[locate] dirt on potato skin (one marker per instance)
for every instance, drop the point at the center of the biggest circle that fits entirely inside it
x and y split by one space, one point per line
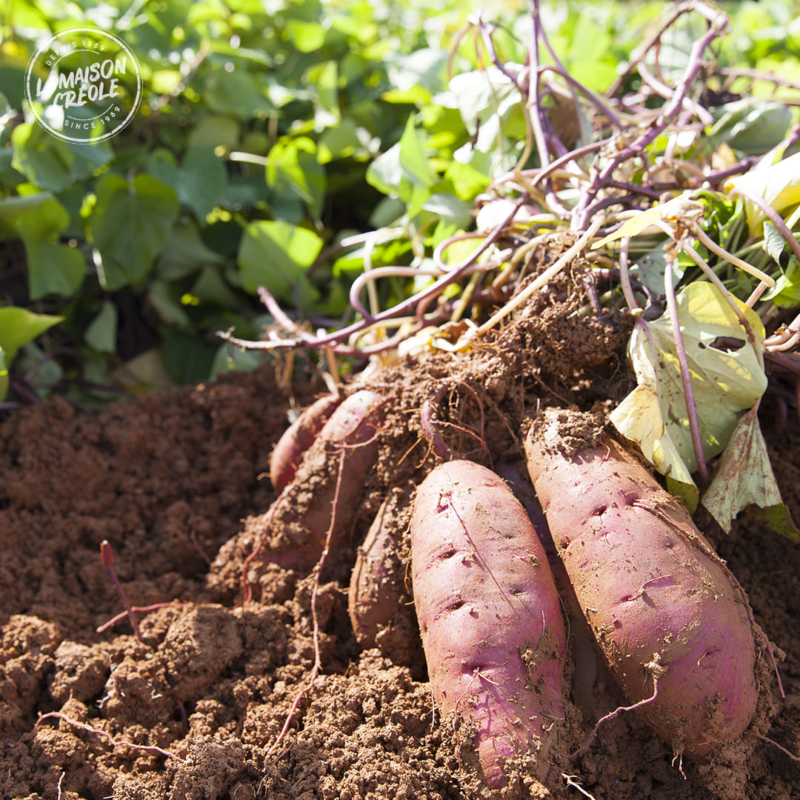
172 480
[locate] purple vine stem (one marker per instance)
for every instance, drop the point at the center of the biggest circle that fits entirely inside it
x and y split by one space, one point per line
337 337
686 378
718 21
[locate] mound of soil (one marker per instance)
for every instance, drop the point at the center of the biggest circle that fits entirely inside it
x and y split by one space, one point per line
196 708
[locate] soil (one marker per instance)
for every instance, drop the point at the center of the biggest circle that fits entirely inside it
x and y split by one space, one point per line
195 708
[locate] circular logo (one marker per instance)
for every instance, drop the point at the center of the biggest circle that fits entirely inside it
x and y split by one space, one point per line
83 85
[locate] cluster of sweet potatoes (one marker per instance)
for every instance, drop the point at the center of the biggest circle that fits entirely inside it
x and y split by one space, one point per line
669 620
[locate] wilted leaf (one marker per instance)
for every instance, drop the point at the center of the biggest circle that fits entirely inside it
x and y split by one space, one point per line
726 373
684 205
744 478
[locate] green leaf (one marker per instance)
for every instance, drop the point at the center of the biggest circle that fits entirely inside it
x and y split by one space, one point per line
237 93
53 164
163 166
3 376
385 173
293 170
163 298
215 131
277 255
234 359
44 160
786 291
184 253
726 373
651 269
101 335
744 478
325 77
186 359
202 181
129 224
18 326
413 157
210 287
778 184
53 268
773 241
490 105
307 37
339 141
752 125
777 518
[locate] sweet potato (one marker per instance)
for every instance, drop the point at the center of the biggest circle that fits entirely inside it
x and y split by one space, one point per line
659 600
489 615
584 655
299 520
297 438
375 589
380 605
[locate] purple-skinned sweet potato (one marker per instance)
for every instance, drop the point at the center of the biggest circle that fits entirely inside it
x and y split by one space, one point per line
584 650
661 603
489 615
297 438
300 518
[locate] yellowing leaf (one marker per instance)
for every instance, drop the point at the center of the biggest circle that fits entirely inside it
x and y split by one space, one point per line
778 184
726 376
745 478
681 206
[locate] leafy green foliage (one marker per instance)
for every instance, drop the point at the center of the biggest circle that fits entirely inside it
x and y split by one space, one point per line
267 133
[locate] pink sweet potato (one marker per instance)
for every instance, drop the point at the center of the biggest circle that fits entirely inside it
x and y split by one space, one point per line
662 605
489 615
297 438
301 516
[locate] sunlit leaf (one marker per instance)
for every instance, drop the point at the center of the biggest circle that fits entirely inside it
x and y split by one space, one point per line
684 205
18 326
726 373
778 184
414 158
786 291
277 255
773 241
293 170
752 125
